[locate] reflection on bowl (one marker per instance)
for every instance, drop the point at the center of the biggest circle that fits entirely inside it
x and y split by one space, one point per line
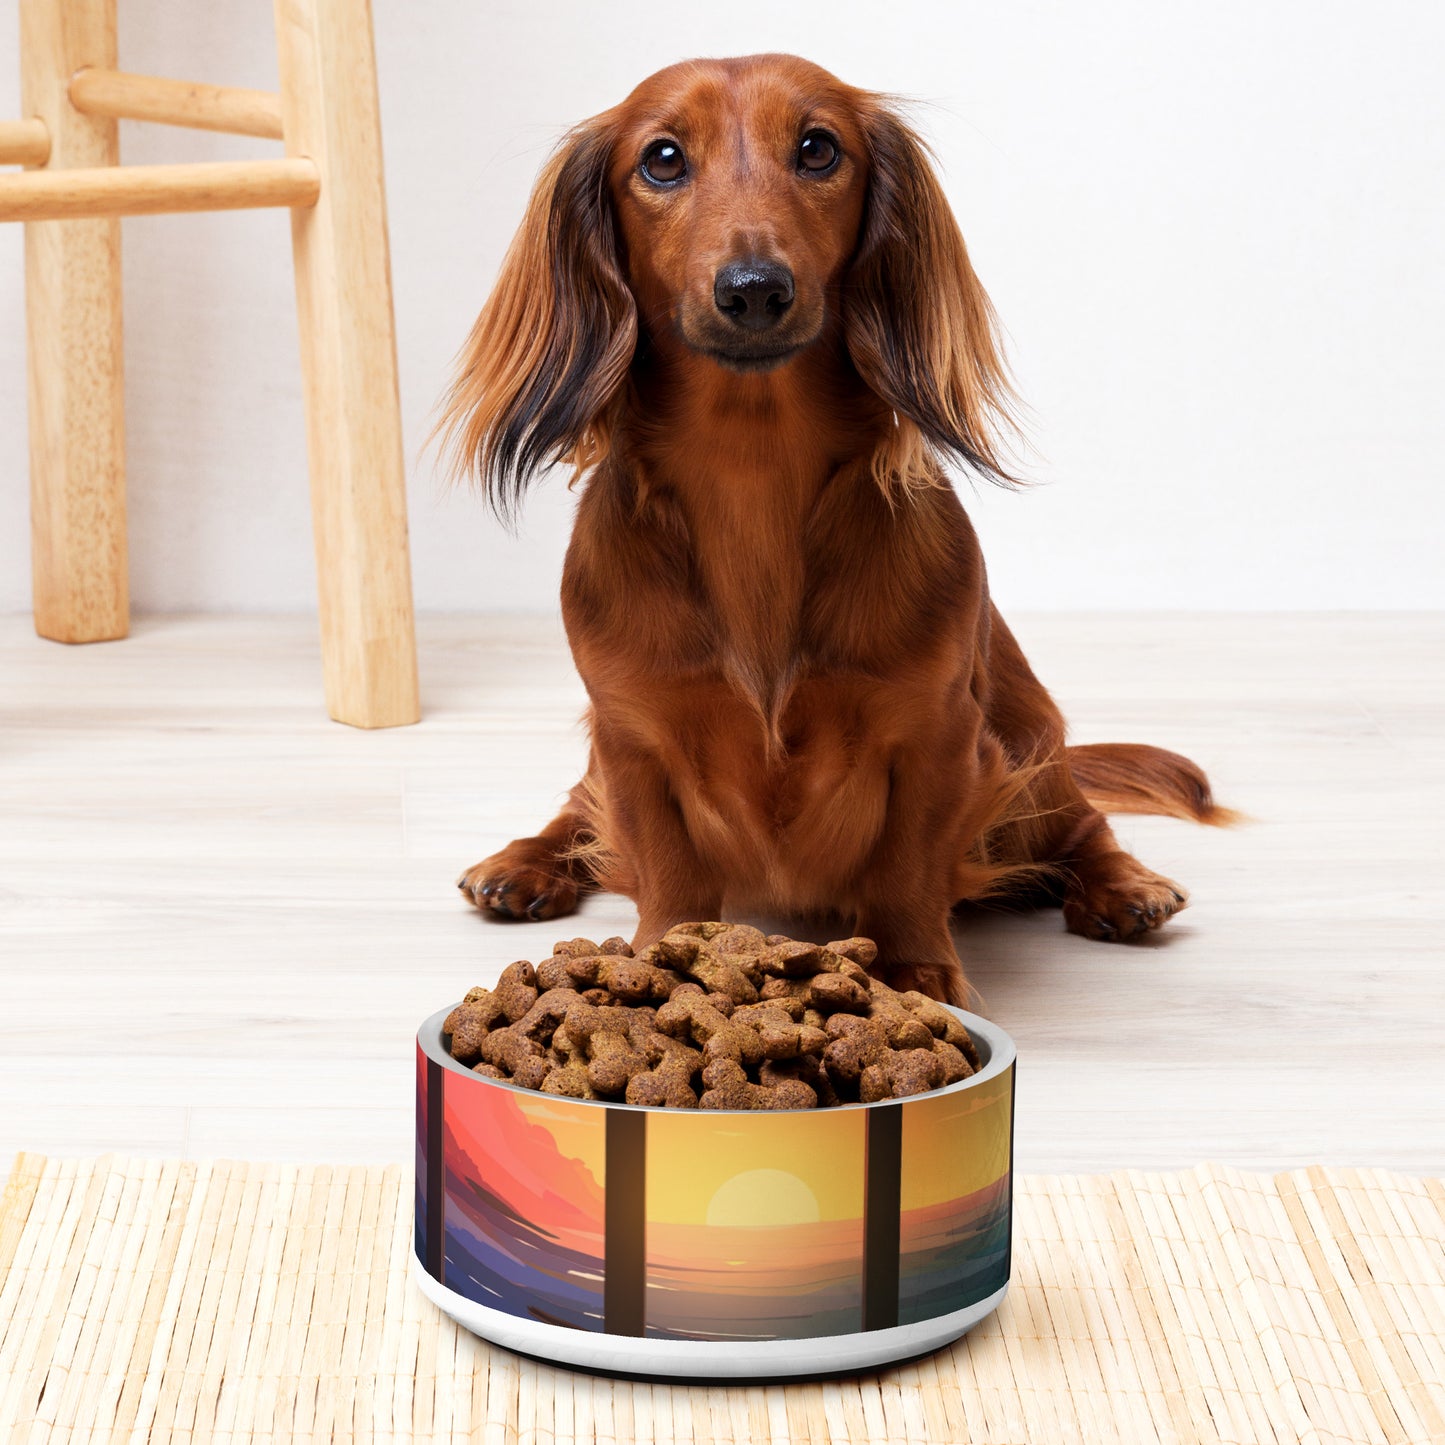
712 1243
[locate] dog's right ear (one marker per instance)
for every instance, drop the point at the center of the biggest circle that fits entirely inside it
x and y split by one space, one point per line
544 362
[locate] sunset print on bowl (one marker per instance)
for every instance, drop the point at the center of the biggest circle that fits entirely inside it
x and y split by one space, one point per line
730 1227
525 1205
754 1224
954 1202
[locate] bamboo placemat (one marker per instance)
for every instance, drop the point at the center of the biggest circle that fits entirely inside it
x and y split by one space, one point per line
152 1300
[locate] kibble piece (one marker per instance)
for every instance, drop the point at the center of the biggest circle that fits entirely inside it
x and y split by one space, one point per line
862 951
575 947
955 1065
685 954
516 989
668 1083
739 938
540 1021
603 1034
570 1081
508 1048
728 1087
831 993
469 1023
797 960
552 973
619 947
629 980
807 1069
689 1017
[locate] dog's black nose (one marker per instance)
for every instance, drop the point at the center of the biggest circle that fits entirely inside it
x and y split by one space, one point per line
755 294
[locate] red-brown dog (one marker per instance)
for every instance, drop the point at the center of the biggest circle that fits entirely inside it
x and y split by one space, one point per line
740 305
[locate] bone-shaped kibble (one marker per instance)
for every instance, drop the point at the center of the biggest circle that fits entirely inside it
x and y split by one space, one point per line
955 1063
941 1023
668 1083
470 1022
552 973
899 1075
855 1044
686 1016
862 951
541 1020
516 989
903 1029
781 1036
805 1069
739 938
569 1081
727 1086
797 960
832 993
691 956
604 1035
575 948
629 980
521 1058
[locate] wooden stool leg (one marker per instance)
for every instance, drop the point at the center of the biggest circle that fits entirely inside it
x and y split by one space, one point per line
72 296
348 359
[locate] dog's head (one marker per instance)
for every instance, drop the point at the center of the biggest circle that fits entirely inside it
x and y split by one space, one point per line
730 214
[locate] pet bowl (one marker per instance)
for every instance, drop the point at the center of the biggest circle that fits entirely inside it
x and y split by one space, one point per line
708 1243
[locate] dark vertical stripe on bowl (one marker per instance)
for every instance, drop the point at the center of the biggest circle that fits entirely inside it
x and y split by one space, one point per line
624 1269
1013 1088
882 1189
436 1172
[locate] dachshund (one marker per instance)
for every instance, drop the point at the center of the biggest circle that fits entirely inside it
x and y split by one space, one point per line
740 309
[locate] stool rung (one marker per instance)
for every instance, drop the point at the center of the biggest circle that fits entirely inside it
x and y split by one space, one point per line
24 143
123 96
60 195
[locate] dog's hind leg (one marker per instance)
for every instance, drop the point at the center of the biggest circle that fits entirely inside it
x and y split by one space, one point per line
539 877
1105 891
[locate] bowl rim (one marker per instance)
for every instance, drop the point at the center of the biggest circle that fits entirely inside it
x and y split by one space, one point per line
986 1035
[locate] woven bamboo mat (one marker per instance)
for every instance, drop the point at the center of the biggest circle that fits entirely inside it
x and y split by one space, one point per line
166 1300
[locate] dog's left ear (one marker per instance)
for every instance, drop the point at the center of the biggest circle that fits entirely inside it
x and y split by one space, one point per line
919 325
544 362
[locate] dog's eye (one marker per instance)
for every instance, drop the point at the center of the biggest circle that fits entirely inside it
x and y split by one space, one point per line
818 152
664 162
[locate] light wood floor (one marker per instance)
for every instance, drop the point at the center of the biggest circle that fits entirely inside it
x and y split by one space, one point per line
222 916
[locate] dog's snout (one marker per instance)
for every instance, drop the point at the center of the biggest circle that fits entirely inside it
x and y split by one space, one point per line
754 294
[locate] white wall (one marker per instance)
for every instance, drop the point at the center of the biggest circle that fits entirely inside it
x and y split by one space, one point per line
1213 230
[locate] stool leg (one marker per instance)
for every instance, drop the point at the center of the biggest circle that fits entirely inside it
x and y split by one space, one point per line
72 305
348 359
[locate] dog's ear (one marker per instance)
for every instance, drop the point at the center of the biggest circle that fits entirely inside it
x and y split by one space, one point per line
919 325
548 354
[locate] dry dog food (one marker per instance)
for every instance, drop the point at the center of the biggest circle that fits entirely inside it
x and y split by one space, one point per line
713 1016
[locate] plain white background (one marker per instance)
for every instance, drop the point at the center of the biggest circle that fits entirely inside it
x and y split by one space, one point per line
1213 231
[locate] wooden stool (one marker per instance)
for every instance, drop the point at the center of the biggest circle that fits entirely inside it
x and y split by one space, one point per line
331 179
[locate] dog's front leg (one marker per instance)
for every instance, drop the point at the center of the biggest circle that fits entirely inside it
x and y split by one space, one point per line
673 885
904 901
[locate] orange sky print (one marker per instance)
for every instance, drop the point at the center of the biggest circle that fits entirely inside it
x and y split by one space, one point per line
525 1204
754 1225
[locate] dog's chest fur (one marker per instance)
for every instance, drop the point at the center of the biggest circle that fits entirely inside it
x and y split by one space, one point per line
775 658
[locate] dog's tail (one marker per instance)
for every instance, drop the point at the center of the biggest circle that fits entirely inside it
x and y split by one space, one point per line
1135 778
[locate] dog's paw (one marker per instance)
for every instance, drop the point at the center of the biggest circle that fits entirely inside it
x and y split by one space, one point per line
508 886
1115 899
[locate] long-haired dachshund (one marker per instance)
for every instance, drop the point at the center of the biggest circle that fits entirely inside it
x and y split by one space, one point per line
740 307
